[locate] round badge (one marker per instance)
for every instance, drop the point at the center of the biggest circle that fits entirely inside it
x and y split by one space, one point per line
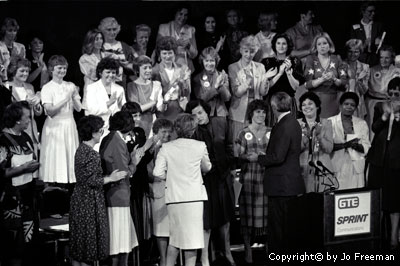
204 77
377 75
248 136
206 84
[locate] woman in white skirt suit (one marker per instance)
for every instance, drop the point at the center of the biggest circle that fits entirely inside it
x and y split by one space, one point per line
181 163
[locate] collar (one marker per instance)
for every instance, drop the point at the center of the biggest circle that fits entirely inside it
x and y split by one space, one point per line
282 115
366 24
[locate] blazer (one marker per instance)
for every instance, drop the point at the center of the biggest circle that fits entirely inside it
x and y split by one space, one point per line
382 150
239 103
181 162
215 97
282 159
115 156
358 32
361 131
96 99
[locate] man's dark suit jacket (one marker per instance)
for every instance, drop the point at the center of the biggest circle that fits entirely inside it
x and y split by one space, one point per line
282 173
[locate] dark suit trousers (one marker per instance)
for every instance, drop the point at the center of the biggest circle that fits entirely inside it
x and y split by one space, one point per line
277 223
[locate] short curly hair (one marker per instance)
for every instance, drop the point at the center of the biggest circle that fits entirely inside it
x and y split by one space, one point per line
131 107
16 63
109 21
256 105
121 121
107 63
312 97
13 113
88 125
349 95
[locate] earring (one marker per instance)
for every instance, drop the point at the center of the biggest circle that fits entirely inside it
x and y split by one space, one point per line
18 122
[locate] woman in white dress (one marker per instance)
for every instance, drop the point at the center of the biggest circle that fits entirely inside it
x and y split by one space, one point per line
104 97
60 136
91 56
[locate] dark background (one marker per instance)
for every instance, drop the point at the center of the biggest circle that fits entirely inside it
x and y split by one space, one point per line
64 23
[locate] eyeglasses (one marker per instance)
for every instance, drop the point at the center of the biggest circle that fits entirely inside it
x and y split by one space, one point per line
394 93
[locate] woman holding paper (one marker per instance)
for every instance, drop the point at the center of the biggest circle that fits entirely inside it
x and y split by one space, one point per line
350 143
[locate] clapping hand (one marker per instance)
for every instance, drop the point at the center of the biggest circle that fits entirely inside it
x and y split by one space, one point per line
271 72
31 166
117 175
220 43
220 79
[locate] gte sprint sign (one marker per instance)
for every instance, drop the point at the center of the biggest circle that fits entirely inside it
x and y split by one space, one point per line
352 213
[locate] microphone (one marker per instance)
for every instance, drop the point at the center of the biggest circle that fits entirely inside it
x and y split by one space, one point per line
312 164
324 167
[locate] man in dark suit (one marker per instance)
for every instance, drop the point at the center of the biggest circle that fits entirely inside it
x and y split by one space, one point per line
282 179
368 31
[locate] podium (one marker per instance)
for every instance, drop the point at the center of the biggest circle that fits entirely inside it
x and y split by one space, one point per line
335 221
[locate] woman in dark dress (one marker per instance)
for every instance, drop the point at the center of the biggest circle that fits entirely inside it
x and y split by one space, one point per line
219 208
89 231
384 156
285 72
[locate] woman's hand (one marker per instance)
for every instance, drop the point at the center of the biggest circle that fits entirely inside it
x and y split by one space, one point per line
271 72
31 166
220 79
252 157
117 175
220 43
282 68
137 155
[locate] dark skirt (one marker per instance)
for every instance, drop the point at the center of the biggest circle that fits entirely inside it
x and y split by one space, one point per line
219 209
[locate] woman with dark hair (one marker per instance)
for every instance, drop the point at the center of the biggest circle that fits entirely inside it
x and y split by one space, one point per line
253 202
384 154
146 92
174 78
18 72
325 74
210 35
285 73
212 86
17 165
219 209
104 97
184 190
316 144
115 156
39 74
88 222
60 136
184 35
350 143
91 56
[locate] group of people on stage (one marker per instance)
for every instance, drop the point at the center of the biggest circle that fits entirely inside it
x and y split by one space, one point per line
163 136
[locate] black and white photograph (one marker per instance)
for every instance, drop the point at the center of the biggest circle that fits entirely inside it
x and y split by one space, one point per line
199 133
